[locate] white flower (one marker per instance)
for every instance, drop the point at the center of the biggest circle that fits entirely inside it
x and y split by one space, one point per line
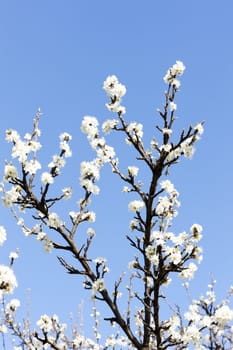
167 131
191 335
199 128
34 146
188 272
90 216
105 153
13 305
89 170
188 150
12 135
223 315
196 230
65 147
133 224
180 239
7 280
45 323
135 130
178 68
132 264
2 235
32 166
67 192
14 255
163 206
158 238
11 196
126 189
167 186
47 178
41 236
175 83
174 255
136 205
172 106
152 255
10 172
54 220
132 171
48 245
165 148
20 150
98 286
108 125
90 232
113 88
58 162
65 136
90 127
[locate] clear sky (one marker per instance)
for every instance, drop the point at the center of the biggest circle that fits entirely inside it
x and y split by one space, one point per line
56 54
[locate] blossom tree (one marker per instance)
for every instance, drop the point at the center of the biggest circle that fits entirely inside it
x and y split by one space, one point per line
159 252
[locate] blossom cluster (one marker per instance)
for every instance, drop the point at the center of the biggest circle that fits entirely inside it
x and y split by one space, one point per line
115 91
160 253
176 70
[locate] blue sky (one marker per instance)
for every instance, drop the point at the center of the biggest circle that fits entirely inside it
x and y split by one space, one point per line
56 54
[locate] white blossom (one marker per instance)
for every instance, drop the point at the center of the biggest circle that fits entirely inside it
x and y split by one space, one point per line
67 192
223 315
41 236
13 305
196 231
90 127
10 172
165 148
135 130
187 149
136 205
108 125
8 280
151 253
48 244
12 135
45 323
65 147
167 131
167 186
133 171
174 255
47 178
90 232
113 88
106 153
14 255
177 69
173 106
65 136
188 272
90 170
54 220
32 166
97 286
11 196
199 128
58 162
20 150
